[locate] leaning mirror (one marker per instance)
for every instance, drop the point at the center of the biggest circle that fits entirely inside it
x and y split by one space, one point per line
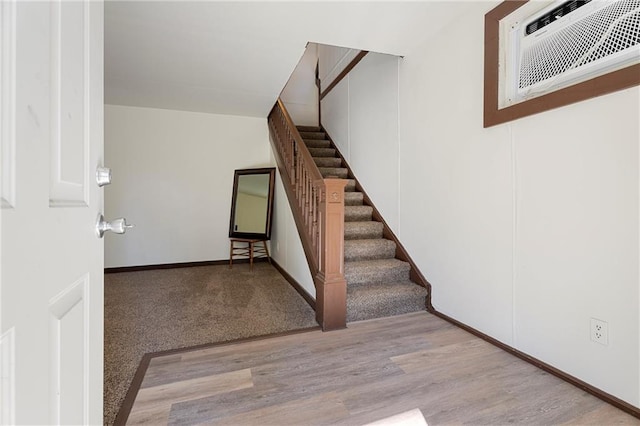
252 203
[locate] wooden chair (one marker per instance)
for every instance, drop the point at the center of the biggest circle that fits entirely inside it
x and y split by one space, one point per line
247 248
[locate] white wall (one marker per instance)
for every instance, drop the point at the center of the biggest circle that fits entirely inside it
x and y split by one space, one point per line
172 178
333 60
300 94
528 229
363 123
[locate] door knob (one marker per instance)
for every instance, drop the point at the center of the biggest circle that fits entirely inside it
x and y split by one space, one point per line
117 226
103 176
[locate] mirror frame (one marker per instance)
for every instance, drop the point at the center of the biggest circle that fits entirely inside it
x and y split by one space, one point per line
271 171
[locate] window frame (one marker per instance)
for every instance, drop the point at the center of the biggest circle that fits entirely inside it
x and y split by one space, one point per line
607 83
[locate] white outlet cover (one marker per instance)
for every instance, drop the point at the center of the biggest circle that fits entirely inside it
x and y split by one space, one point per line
599 331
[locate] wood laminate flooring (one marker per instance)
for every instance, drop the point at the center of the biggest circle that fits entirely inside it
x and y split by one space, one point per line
164 309
370 371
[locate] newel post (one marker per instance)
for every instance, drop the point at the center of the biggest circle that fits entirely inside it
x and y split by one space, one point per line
331 286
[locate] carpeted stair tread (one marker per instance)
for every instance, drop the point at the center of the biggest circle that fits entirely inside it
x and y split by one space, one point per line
362 230
357 213
339 172
365 272
313 135
377 248
322 152
384 300
317 143
351 185
327 161
353 198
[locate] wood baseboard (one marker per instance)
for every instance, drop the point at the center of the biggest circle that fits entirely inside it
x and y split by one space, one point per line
118 269
599 393
295 284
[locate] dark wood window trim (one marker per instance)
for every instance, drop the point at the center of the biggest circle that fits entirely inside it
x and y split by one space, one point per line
344 72
608 83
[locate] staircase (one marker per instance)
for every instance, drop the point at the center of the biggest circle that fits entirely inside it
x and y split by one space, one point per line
378 284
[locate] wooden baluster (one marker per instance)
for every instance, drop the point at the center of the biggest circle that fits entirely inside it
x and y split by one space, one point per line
303 193
309 213
310 208
289 153
292 162
303 182
303 199
305 177
307 204
299 177
314 217
284 142
288 149
303 188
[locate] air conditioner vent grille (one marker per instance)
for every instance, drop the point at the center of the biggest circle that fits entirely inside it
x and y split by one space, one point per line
627 34
610 30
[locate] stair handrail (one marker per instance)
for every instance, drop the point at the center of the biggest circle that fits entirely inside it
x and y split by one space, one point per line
318 210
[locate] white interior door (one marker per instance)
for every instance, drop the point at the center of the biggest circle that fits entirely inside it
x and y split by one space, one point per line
51 288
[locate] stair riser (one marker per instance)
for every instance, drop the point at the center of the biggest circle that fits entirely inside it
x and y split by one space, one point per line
308 129
333 172
317 143
322 152
357 213
360 230
363 309
327 162
360 276
384 249
313 135
353 198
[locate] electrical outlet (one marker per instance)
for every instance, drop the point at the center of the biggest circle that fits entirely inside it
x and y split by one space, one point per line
599 331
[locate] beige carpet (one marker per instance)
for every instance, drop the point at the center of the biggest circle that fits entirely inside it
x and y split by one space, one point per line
151 311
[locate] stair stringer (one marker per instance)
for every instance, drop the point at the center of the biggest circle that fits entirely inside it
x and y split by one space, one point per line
401 253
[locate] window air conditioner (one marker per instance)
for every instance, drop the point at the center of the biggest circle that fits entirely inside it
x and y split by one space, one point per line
569 42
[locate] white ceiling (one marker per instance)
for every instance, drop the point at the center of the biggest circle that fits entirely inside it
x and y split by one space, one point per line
235 57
